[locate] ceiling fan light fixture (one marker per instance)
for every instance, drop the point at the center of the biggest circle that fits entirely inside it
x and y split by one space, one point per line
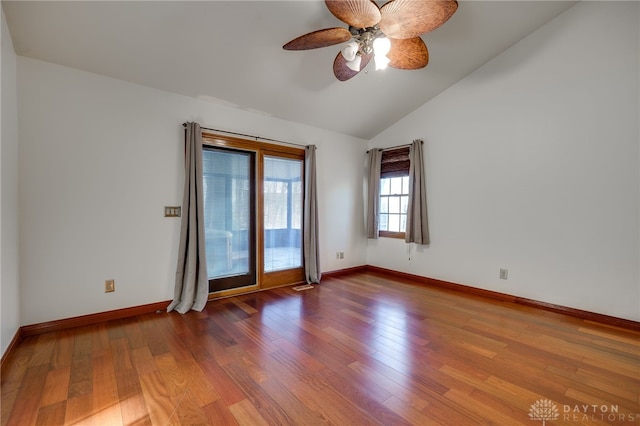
354 64
366 40
350 51
381 46
381 62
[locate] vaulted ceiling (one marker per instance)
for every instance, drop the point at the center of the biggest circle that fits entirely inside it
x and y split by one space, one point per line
230 52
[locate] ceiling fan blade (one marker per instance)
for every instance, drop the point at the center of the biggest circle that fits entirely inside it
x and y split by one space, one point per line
356 13
343 72
410 18
320 38
408 54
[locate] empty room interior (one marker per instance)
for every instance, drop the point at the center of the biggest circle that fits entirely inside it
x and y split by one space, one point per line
308 212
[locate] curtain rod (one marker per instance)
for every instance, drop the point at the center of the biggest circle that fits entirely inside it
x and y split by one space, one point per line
397 147
248 136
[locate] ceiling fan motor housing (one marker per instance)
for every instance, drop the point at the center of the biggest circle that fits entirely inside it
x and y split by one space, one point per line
365 37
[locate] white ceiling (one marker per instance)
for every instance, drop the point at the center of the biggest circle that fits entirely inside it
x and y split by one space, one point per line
231 52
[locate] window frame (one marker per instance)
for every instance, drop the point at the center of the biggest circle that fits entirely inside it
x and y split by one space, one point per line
394 164
393 234
226 283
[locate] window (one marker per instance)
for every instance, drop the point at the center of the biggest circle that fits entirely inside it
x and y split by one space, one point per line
394 197
394 192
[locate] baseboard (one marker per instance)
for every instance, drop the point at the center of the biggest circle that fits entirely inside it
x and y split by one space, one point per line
577 313
12 345
345 271
63 324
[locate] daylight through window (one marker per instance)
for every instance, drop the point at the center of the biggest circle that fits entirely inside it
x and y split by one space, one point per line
394 192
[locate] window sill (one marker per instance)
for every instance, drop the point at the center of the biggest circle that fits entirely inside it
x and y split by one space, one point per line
389 234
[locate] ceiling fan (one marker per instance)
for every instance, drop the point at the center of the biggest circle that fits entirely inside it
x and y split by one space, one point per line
390 33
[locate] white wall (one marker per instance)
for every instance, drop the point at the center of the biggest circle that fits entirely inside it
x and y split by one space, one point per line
9 288
532 165
99 158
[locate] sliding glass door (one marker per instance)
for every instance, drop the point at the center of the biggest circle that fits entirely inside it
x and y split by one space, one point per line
253 214
229 213
282 213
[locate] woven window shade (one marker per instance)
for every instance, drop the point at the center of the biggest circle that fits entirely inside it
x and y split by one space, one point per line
395 162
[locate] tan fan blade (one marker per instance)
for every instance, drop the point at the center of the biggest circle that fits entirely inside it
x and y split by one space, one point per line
343 72
410 18
408 54
320 38
356 13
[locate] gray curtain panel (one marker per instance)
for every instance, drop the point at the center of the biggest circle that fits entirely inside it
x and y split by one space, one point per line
417 226
192 285
310 213
373 193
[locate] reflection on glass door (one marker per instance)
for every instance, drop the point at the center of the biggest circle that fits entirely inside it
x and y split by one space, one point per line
229 215
282 213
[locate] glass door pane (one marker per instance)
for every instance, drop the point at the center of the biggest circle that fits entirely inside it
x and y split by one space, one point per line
282 213
229 214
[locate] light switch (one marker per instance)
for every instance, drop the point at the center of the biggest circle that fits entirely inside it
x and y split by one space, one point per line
172 211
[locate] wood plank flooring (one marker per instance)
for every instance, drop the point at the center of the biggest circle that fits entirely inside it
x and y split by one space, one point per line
361 349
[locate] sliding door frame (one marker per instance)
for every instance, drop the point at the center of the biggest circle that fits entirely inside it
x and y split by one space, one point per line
261 149
237 280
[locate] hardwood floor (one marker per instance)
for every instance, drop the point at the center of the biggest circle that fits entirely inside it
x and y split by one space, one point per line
358 349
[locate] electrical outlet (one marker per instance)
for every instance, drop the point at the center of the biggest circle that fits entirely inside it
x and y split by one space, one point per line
109 286
341 255
504 274
337 255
